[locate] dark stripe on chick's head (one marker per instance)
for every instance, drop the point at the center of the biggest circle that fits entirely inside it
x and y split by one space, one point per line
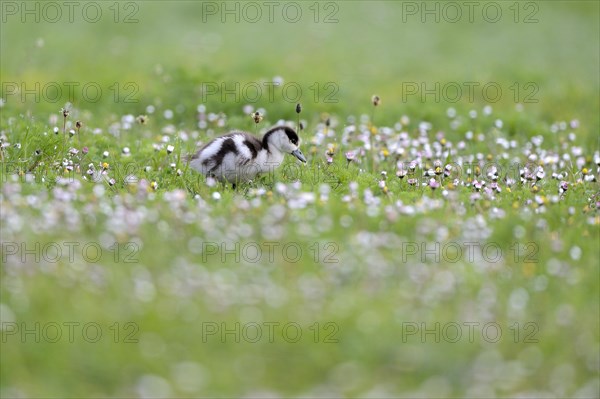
290 133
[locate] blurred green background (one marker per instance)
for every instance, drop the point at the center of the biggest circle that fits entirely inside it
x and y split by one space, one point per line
169 49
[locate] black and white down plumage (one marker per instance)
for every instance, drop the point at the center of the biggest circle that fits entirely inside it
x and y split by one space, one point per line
239 156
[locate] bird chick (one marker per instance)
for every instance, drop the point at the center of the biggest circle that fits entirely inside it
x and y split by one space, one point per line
239 156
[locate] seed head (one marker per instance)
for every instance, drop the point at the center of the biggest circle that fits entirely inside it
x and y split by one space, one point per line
65 112
78 125
257 117
298 108
375 100
330 149
141 119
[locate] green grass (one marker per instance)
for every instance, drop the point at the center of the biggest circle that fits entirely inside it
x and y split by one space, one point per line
161 256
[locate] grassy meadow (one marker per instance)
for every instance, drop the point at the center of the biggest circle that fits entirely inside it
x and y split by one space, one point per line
441 241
